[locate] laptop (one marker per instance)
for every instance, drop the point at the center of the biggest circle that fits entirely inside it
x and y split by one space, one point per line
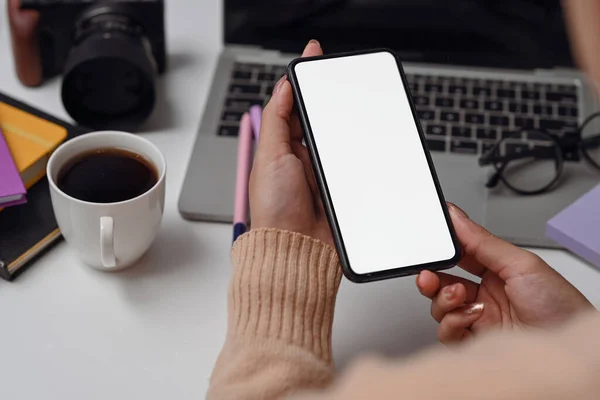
477 71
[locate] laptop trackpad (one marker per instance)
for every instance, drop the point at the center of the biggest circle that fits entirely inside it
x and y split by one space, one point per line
463 183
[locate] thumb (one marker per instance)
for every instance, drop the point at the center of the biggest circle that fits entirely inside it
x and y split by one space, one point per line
483 251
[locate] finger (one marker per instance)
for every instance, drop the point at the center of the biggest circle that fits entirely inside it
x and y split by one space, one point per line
275 133
449 298
302 153
455 326
312 49
482 250
430 283
297 133
275 137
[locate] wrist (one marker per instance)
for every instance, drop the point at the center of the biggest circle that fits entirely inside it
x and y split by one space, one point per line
284 288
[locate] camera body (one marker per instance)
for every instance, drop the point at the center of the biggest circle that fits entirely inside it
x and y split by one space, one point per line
108 51
60 21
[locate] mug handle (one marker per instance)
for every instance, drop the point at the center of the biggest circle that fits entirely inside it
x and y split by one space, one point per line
107 250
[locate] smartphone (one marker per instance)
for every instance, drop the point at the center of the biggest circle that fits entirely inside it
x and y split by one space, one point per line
377 181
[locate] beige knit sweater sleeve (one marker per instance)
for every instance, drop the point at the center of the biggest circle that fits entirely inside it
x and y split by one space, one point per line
281 301
278 344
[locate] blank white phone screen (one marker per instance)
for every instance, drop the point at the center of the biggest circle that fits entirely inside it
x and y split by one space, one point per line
383 193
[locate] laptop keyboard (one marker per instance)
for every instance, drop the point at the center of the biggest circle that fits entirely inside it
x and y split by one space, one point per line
458 115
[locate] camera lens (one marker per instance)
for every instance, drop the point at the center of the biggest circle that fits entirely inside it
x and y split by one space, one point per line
109 75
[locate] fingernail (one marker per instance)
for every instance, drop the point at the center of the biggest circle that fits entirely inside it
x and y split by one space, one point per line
449 292
314 41
474 308
278 84
457 211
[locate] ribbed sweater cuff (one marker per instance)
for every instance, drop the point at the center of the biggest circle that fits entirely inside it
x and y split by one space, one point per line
284 287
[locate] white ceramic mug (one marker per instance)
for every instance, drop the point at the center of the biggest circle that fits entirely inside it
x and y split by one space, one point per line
108 236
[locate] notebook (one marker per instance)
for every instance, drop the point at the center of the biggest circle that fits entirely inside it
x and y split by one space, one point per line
28 230
577 227
30 139
12 191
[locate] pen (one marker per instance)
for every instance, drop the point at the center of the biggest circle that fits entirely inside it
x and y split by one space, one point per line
255 117
240 211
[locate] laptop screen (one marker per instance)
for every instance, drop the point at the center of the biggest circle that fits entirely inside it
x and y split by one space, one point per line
490 33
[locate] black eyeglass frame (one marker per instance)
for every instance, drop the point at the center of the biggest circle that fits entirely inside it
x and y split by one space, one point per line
562 145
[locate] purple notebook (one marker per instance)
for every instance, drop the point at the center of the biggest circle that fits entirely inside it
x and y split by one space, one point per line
577 227
12 191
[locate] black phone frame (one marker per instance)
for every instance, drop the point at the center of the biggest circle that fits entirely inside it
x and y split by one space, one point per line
324 189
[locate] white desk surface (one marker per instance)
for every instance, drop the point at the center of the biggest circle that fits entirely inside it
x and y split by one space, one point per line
154 331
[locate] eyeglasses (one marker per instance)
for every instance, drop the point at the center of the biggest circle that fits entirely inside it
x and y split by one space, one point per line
531 161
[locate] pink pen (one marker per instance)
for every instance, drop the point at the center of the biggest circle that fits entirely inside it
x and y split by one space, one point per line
255 116
244 160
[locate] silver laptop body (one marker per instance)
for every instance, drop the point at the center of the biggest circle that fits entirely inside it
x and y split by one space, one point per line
208 189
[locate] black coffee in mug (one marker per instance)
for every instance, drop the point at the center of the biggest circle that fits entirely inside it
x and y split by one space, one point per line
107 175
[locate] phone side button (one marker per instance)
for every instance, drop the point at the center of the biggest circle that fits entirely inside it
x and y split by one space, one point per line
436 145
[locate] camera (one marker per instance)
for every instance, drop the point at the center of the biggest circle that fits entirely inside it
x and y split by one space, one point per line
108 51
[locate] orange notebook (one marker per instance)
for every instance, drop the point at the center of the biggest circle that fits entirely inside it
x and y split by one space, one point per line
31 140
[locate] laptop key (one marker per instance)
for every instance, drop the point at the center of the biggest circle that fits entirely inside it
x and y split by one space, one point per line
537 136
426 115
542 109
510 133
413 86
567 111
487 146
250 66
232 116
454 89
436 145
561 97
244 89
474 118
421 100
242 75
482 91
521 108
487 133
494 105
463 146
461 131
567 88
450 116
242 104
228 130
439 130
516 148
266 76
444 102
530 95
469 104
279 71
499 120
269 89
525 122
506 93
433 88
557 125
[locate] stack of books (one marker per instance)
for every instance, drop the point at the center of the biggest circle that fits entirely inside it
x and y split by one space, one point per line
27 224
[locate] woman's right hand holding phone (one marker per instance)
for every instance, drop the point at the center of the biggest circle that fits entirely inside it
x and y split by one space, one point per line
518 290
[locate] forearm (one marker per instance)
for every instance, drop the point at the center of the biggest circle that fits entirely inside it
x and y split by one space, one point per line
583 25
281 302
557 365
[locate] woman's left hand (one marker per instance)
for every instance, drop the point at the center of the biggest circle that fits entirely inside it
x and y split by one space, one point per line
283 189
